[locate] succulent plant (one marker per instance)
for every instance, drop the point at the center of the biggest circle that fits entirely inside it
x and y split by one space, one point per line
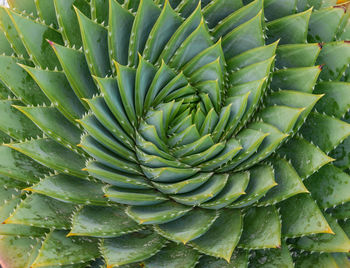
168 133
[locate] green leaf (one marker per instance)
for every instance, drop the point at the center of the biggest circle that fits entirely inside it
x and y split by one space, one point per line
294 99
157 214
279 257
203 58
162 77
67 19
173 256
261 180
99 10
157 161
336 242
144 76
115 177
110 91
237 18
53 155
100 221
17 249
14 123
330 131
319 260
104 137
106 118
268 145
171 91
301 216
18 81
12 183
46 11
298 79
248 96
197 146
262 233
231 149
297 55
252 56
324 24
341 259
218 10
239 259
53 124
131 248
146 16
282 117
198 158
120 25
183 31
7 194
275 9
222 237
290 29
250 140
126 85
5 46
34 33
165 26
42 211
195 43
18 166
253 72
183 186
246 36
57 249
94 37
56 87
107 157
234 188
305 157
12 35
329 186
28 6
288 183
189 227
336 57
64 188
76 70
340 212
336 100
16 229
203 193
185 8
134 196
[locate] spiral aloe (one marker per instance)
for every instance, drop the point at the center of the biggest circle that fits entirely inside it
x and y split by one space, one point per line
168 133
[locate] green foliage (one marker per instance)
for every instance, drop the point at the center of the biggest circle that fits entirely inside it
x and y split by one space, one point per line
168 133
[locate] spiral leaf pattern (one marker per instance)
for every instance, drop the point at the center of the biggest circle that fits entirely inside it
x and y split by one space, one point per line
168 133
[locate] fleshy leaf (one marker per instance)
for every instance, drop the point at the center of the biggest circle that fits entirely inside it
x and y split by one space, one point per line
102 222
264 233
57 249
189 227
131 248
222 237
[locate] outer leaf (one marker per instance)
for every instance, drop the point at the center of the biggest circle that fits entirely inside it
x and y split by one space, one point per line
102 222
173 256
222 237
265 233
57 249
189 227
131 248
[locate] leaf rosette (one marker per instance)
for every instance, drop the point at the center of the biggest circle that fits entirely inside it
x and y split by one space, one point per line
174 133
